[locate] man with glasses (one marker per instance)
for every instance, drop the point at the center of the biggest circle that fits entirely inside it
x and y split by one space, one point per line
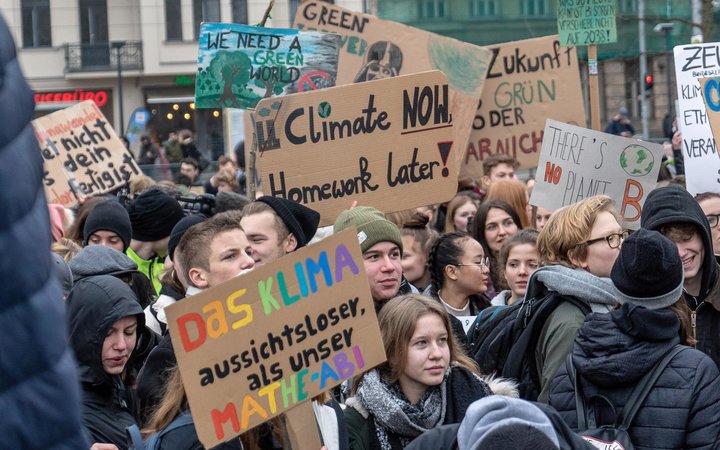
710 204
674 212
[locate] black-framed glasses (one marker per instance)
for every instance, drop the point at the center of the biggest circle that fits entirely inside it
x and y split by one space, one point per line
485 262
713 219
613 240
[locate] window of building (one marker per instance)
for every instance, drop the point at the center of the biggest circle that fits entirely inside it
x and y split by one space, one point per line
483 8
431 9
240 11
93 21
36 23
205 11
173 20
534 8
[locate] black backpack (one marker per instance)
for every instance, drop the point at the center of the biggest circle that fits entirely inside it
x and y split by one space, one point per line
503 339
615 436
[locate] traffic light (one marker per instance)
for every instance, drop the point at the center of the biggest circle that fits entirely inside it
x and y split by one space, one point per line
648 81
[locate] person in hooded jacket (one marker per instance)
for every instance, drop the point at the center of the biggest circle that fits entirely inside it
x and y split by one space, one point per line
674 212
614 351
103 320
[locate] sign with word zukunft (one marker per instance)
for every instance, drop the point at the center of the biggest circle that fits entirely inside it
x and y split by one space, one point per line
386 143
82 154
373 48
699 147
238 65
527 82
263 342
586 22
577 163
711 97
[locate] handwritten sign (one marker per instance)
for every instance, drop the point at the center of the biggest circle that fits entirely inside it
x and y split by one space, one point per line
373 48
238 65
527 82
699 148
711 98
373 142
83 155
577 163
586 22
266 341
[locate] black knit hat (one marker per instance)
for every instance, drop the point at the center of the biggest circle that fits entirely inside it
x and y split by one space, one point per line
648 271
153 215
109 216
179 230
299 219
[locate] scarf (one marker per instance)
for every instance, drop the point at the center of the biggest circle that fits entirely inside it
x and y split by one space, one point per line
597 292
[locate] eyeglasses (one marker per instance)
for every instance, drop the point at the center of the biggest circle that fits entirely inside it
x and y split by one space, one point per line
484 263
613 240
713 219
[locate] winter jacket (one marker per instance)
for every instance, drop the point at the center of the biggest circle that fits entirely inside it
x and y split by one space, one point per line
94 305
152 268
614 351
673 204
39 395
557 335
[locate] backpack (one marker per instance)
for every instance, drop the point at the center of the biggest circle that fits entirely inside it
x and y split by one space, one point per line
503 339
153 441
615 436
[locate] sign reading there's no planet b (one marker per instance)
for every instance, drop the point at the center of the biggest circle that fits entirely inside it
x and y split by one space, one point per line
386 143
239 65
577 163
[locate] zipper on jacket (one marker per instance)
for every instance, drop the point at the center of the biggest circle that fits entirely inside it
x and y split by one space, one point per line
693 321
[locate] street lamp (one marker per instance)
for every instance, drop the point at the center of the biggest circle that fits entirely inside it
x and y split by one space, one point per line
667 27
117 45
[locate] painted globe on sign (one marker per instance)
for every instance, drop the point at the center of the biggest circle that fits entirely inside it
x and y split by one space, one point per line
636 160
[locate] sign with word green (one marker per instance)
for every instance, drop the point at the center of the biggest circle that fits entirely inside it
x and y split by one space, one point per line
239 65
586 22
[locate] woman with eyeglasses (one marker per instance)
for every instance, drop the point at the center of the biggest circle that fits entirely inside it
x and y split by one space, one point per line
577 249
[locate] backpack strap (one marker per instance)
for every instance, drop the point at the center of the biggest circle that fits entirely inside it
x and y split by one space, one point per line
184 419
644 386
580 407
134 437
480 320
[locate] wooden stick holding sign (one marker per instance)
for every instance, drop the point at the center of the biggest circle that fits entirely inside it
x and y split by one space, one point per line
582 23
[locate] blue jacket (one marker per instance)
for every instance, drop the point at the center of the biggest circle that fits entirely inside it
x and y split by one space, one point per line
39 395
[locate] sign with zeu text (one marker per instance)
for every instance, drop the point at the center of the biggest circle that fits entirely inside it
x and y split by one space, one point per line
82 154
386 143
238 65
527 82
373 48
261 343
711 97
699 147
577 163
586 22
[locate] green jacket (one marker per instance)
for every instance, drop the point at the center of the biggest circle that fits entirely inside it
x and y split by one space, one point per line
358 427
151 268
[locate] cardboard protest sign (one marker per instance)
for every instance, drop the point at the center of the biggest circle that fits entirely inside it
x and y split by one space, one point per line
586 22
83 155
699 147
238 65
577 163
373 48
711 97
386 143
527 82
263 342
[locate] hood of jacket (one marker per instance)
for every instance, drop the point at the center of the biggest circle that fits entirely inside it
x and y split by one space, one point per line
597 292
94 304
620 347
673 204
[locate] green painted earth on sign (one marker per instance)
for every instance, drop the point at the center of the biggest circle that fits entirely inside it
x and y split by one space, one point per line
636 160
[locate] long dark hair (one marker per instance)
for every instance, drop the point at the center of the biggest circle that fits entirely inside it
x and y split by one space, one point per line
478 232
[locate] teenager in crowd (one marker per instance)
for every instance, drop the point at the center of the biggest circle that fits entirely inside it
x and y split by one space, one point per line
519 258
514 193
426 382
710 204
417 239
460 211
614 351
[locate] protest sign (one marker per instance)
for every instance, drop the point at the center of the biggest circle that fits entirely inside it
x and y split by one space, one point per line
238 65
711 97
577 163
373 48
527 82
265 341
83 155
586 22
699 148
386 143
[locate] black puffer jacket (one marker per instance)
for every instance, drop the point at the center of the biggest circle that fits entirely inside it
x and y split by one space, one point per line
613 351
94 304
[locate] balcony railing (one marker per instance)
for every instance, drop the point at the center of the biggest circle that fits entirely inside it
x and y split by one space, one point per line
100 57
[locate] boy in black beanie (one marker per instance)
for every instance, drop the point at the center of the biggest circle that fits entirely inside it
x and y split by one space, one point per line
108 224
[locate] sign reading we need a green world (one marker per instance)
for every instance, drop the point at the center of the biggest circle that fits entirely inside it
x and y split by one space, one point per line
586 22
